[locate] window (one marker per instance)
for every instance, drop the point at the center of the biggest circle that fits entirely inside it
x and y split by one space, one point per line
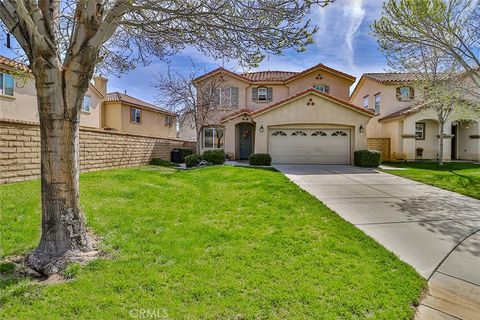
365 102
168 120
322 87
377 104
299 133
279 133
420 131
227 97
7 83
262 94
135 115
339 134
319 134
86 104
213 138
405 93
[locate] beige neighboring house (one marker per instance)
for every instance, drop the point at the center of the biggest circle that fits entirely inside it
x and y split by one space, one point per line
404 127
113 111
296 117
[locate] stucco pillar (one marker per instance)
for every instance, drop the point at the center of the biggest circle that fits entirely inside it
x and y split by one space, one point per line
447 141
408 137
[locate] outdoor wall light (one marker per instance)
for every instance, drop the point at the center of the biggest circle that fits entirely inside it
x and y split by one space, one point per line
361 129
261 128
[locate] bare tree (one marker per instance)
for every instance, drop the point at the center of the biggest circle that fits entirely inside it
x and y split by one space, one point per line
451 27
64 41
196 101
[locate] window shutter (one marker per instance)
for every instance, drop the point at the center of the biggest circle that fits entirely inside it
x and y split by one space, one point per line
326 89
254 94
412 94
269 94
398 93
234 91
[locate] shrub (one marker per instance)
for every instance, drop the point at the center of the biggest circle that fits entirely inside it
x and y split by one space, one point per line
183 153
367 158
214 156
161 162
260 159
192 160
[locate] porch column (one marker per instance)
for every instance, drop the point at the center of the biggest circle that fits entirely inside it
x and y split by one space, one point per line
447 141
408 138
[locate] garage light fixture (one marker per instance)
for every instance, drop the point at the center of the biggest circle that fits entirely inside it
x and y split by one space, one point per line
361 129
261 129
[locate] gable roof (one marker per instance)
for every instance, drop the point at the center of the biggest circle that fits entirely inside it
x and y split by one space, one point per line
298 96
125 98
393 77
13 64
275 76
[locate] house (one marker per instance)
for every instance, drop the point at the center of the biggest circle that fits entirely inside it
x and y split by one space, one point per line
404 127
296 117
110 111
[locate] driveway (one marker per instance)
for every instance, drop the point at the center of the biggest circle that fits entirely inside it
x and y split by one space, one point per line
434 230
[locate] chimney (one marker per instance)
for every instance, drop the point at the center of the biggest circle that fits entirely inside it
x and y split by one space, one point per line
101 84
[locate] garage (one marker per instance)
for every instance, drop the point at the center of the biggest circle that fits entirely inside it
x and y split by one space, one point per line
310 146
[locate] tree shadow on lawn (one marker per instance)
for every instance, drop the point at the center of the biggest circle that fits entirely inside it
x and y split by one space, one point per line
14 284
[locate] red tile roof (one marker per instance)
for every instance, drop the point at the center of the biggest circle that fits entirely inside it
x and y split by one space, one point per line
13 63
393 77
125 98
269 75
401 113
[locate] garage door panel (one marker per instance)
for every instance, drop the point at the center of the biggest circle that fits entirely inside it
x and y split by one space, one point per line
331 146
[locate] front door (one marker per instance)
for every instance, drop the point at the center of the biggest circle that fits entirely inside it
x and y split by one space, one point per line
454 142
245 141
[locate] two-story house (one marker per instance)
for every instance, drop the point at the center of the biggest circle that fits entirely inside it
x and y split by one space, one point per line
296 117
111 111
410 130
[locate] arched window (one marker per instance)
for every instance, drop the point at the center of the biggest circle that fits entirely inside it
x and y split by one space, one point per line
319 134
279 133
339 134
299 133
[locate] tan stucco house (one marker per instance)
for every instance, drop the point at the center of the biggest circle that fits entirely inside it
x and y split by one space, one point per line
296 117
110 111
403 126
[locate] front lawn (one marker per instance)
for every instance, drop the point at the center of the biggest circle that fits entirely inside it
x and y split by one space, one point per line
461 177
213 243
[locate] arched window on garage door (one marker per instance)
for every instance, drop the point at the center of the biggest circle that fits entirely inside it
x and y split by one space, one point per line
279 133
339 134
299 133
319 134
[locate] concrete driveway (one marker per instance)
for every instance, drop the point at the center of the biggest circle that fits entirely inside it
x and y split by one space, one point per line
434 230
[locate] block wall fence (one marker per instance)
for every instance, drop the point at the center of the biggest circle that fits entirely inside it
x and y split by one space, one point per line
382 145
99 149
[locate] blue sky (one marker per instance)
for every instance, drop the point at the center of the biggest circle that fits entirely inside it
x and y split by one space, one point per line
343 42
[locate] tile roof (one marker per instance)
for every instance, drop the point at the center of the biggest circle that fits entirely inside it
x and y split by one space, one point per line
269 75
400 113
13 63
393 77
125 98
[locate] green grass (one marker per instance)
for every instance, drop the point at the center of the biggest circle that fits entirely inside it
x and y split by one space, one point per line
212 243
461 177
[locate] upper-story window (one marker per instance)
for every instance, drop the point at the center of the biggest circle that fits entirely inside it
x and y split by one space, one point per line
262 94
227 97
365 102
168 120
86 104
405 93
7 84
135 115
377 103
322 87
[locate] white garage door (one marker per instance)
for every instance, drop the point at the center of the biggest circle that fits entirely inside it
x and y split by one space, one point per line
310 146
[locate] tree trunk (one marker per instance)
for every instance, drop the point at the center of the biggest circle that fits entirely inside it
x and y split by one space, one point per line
441 128
63 228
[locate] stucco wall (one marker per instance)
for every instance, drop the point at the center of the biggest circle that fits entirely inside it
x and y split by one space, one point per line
339 86
23 106
468 143
20 150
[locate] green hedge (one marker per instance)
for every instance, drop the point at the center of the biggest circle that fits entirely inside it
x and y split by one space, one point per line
192 160
161 162
367 158
184 152
260 159
214 156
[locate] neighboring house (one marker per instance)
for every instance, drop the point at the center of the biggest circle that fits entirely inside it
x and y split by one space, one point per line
112 111
128 114
296 117
398 119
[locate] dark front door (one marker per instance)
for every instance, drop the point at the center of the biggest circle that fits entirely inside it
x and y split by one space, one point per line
454 142
245 143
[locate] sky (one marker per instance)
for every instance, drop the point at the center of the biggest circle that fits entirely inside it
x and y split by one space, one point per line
343 42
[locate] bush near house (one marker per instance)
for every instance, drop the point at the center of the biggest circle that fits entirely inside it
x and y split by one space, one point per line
214 156
192 160
184 152
367 158
260 159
